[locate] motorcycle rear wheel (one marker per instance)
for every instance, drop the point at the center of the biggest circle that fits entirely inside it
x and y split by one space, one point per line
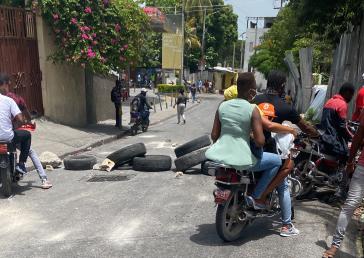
307 184
229 224
6 181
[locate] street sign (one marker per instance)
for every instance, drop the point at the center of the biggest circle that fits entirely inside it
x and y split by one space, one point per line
172 46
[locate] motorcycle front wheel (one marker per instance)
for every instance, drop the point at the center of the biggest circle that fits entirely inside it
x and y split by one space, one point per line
230 221
6 181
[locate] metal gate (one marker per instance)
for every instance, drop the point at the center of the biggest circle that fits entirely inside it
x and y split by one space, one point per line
19 55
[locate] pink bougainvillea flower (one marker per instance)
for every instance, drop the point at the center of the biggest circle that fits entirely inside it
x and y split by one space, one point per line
126 46
117 27
90 53
121 49
88 9
85 36
74 21
55 16
85 29
94 35
94 42
113 41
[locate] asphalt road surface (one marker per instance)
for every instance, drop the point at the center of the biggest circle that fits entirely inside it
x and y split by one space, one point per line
142 214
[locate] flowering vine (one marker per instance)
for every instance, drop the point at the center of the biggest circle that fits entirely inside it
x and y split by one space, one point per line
102 35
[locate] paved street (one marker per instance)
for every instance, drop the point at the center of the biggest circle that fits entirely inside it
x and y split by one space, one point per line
145 214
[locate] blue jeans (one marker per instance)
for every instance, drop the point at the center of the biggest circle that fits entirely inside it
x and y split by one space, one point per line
37 164
285 202
269 165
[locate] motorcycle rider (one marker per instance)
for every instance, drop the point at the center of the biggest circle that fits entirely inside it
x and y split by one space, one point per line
10 111
45 184
356 190
142 104
278 111
336 133
231 131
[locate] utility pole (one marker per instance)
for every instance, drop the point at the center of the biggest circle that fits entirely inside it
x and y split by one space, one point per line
242 51
234 57
203 37
183 41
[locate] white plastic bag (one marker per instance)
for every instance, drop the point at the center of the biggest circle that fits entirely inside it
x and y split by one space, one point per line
284 143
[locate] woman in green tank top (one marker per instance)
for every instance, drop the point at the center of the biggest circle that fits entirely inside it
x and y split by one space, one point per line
234 121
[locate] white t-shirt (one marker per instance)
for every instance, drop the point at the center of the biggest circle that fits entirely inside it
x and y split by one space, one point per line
8 110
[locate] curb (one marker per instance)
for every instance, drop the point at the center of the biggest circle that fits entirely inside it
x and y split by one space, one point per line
107 140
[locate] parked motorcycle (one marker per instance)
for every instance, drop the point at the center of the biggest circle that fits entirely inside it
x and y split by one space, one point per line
313 168
140 121
233 210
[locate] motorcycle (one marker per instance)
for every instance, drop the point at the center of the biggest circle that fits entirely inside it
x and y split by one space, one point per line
315 168
8 160
140 120
233 212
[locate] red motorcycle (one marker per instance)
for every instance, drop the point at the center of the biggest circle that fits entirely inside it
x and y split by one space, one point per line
233 210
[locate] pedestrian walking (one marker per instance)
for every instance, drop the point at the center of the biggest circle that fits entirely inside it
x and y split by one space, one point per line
116 99
356 190
193 92
181 106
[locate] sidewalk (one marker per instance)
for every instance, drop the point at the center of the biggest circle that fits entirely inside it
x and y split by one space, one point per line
65 140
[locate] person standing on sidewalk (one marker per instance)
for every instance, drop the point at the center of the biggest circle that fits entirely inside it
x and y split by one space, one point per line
193 92
356 190
181 106
116 97
27 119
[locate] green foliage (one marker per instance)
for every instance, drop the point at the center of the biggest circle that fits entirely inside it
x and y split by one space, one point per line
101 35
168 88
13 3
307 23
309 117
222 33
151 50
328 18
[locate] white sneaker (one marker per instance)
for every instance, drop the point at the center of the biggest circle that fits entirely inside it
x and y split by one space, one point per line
289 230
46 184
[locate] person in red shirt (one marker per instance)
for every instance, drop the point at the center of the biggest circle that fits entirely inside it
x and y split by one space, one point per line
336 134
359 103
356 190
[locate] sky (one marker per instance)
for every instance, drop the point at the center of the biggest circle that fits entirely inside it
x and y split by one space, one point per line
245 8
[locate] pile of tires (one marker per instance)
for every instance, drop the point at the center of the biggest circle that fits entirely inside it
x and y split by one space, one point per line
135 155
192 153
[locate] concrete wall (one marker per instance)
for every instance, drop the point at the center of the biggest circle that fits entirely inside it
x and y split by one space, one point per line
63 86
102 87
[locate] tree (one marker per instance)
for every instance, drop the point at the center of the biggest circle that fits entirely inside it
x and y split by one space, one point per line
221 34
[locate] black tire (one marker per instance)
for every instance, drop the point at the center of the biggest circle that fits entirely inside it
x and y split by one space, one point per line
81 162
205 168
126 154
191 159
193 145
6 181
226 212
152 163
